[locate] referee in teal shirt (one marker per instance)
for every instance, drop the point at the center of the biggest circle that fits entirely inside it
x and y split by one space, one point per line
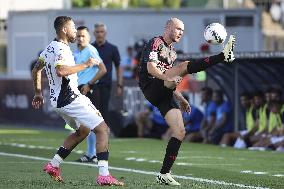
86 79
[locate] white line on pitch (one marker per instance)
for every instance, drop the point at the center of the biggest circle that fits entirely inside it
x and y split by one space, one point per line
139 171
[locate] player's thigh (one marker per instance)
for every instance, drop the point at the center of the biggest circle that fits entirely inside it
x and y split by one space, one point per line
102 128
157 94
175 121
84 112
68 119
178 70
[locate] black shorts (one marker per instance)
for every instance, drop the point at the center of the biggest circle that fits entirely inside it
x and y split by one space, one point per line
160 96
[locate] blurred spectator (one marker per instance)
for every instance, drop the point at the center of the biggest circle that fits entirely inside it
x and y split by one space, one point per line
275 11
238 138
267 95
275 135
150 123
127 63
262 113
192 122
276 94
138 47
224 121
209 113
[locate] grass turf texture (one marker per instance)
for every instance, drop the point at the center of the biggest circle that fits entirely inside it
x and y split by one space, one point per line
196 160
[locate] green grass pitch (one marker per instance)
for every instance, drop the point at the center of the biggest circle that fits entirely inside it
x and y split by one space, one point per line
24 151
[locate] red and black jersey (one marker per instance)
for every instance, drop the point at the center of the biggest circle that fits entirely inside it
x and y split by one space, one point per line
156 50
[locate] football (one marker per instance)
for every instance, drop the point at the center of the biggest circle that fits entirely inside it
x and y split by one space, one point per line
215 33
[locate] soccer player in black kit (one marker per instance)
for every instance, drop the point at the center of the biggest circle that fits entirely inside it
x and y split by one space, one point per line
158 78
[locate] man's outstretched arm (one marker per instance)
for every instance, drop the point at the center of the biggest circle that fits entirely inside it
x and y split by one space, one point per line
65 70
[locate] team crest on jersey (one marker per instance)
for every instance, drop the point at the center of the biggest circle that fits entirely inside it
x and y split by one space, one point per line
60 57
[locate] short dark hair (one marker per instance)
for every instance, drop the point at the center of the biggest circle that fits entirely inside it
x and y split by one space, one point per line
83 28
268 90
258 94
207 90
60 21
246 94
219 93
276 90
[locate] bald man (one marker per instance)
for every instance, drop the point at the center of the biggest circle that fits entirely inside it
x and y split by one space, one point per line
158 78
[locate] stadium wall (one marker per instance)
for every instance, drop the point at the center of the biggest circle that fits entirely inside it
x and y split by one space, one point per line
30 31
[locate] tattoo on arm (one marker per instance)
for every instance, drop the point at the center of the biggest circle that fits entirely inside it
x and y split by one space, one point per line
36 74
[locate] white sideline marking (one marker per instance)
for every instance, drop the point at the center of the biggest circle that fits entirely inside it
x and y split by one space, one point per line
179 163
278 175
199 157
260 173
139 171
255 172
35 147
130 152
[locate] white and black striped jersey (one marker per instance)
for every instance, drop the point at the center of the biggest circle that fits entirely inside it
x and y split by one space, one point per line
63 90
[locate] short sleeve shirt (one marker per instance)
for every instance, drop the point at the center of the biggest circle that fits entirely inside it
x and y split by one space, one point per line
62 89
82 56
156 50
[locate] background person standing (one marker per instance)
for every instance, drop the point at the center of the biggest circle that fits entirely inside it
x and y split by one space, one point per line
110 55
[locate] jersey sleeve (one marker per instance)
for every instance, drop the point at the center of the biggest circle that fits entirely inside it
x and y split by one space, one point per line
42 57
154 50
95 54
226 108
212 109
149 106
116 57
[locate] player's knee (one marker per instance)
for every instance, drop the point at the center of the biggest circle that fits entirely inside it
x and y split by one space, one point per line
83 132
102 128
180 133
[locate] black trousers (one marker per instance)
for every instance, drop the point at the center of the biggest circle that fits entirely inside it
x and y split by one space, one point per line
101 97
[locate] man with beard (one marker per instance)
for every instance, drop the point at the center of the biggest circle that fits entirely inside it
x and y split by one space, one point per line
76 109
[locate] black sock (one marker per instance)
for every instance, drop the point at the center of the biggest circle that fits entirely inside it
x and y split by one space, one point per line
203 64
63 152
103 156
171 154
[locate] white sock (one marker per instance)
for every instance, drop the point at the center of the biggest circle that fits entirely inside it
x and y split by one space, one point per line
103 168
55 162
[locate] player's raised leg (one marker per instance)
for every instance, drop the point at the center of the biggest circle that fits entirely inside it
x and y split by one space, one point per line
189 67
